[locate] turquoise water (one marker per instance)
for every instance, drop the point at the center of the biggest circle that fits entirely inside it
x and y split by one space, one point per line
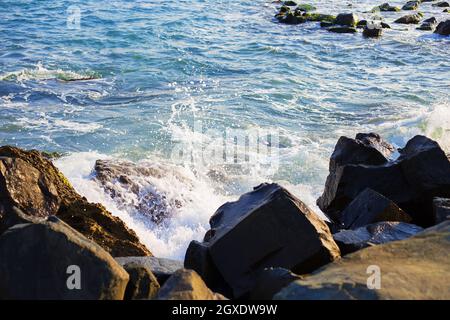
157 68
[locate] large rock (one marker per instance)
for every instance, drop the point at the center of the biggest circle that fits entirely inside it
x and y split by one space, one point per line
370 207
441 209
186 284
441 4
347 19
443 28
385 7
373 234
420 173
372 32
43 260
270 281
162 268
412 269
32 184
428 24
267 227
411 5
142 284
409 19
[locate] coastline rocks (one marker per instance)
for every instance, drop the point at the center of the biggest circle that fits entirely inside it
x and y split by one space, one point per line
50 260
421 173
411 5
142 283
161 268
270 281
441 4
443 28
412 269
267 227
319 17
346 19
372 32
32 184
370 207
410 19
428 24
342 29
186 284
378 233
441 208
386 7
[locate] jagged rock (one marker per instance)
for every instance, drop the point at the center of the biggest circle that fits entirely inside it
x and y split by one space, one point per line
411 5
42 260
443 28
441 208
142 284
32 184
385 7
370 207
441 4
428 24
267 227
270 281
186 284
421 173
372 32
373 234
161 268
347 19
413 269
343 30
409 19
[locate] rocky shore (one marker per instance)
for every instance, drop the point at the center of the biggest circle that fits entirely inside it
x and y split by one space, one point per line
388 213
295 13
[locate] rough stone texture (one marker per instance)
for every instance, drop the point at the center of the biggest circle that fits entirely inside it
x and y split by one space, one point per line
267 227
160 267
142 283
270 281
34 261
373 234
443 28
420 173
186 284
31 183
411 269
370 207
372 32
409 19
441 209
347 19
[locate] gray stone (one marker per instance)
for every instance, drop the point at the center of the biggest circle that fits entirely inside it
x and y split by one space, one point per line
409 19
142 284
36 261
347 19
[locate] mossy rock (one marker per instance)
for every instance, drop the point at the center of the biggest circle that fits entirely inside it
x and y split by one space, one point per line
319 17
306 7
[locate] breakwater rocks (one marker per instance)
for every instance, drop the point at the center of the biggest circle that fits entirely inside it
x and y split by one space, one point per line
294 13
388 210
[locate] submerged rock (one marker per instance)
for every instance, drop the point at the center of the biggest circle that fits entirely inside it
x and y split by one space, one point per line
411 5
187 285
412 269
443 28
267 227
50 260
32 184
410 19
142 284
370 207
373 234
421 173
161 268
343 30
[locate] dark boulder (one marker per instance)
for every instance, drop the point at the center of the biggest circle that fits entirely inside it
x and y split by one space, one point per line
441 208
428 24
326 24
384 25
343 30
267 227
369 32
373 234
347 19
290 3
142 284
370 207
31 183
186 284
411 5
161 268
50 260
441 4
409 19
420 173
443 28
270 281
385 7
361 24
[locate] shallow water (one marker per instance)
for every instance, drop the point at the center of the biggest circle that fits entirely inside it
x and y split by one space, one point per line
158 70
